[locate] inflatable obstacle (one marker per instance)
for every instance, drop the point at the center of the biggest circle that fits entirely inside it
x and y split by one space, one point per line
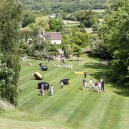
44 68
78 72
38 76
45 84
65 81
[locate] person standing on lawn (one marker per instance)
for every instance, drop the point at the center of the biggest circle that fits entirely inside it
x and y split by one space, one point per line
84 74
91 84
42 90
51 90
85 87
96 86
102 85
40 65
61 84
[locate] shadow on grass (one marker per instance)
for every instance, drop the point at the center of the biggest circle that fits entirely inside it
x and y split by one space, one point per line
95 66
99 68
80 89
101 73
121 91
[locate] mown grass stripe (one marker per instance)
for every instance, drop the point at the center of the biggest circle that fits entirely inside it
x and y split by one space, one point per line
124 117
83 109
97 112
59 96
112 114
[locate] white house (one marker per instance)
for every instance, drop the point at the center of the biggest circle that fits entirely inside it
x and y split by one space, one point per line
54 37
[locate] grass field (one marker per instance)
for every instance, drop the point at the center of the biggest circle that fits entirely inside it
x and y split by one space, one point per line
71 23
70 107
98 10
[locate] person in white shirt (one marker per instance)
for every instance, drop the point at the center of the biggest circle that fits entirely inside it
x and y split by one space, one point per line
99 86
91 84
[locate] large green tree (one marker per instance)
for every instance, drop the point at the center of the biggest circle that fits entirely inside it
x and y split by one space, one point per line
42 22
28 18
55 25
116 36
10 17
88 18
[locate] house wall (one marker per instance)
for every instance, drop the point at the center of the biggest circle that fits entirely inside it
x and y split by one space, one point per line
56 41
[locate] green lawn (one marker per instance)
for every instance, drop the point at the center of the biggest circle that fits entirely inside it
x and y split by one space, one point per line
71 107
71 23
98 10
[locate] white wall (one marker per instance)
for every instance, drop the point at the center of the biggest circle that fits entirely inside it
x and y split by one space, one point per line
56 41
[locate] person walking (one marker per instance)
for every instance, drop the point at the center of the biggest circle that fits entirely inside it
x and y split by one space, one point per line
91 84
71 66
99 86
102 85
61 84
84 74
74 58
96 86
51 90
84 84
40 65
42 90
85 87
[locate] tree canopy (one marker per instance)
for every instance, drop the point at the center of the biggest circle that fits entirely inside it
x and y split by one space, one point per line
115 32
10 14
68 6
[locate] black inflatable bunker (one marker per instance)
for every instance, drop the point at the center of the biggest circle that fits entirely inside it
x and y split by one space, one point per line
65 81
46 85
38 76
44 68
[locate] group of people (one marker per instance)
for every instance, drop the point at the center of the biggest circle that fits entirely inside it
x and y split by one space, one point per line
98 85
61 58
69 66
51 89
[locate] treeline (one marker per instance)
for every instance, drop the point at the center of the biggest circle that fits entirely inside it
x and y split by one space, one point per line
69 6
112 40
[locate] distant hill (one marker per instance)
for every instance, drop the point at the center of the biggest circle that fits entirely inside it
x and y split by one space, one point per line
69 6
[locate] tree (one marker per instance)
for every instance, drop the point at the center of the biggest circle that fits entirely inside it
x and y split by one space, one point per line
98 47
80 38
77 51
115 33
67 45
42 22
88 18
10 14
28 17
55 25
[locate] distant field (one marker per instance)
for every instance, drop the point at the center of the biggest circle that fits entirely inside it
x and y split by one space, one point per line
98 10
70 107
71 23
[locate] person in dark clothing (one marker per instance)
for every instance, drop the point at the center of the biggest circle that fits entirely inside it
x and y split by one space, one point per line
102 85
40 65
84 74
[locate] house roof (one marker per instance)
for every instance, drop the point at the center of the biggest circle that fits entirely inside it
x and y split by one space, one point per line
53 35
